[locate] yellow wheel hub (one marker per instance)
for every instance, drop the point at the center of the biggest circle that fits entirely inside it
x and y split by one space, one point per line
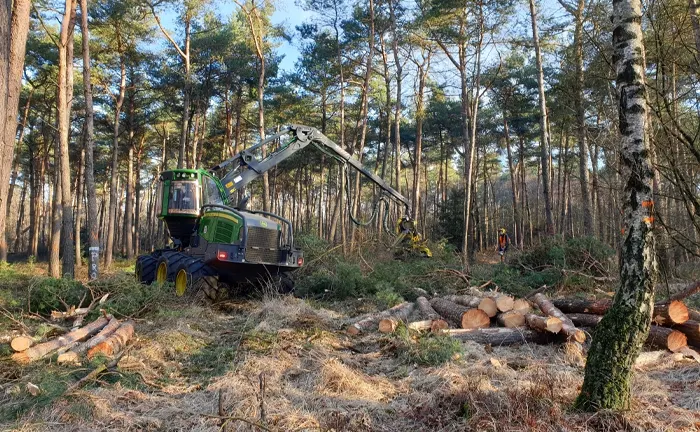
162 273
181 283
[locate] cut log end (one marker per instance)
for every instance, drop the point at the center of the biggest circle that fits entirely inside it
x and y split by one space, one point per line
438 325
488 305
676 340
352 330
21 343
504 303
511 319
388 325
544 323
21 357
475 319
522 306
674 312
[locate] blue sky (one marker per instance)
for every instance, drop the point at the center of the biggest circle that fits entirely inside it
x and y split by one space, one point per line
287 14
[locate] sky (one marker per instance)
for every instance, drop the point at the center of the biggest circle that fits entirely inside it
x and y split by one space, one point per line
287 13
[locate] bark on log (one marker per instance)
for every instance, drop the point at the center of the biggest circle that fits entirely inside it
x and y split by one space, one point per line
568 327
584 320
73 356
664 337
114 343
574 305
511 319
674 312
371 322
464 300
665 313
660 337
543 323
691 289
42 350
488 305
462 316
433 326
388 325
504 303
500 336
691 329
693 315
21 343
426 311
522 306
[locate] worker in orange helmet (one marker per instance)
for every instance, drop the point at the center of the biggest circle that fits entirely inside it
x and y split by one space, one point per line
503 243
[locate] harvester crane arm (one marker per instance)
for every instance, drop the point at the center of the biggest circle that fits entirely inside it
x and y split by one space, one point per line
246 167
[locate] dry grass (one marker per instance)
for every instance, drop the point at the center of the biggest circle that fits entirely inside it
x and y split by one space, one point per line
189 361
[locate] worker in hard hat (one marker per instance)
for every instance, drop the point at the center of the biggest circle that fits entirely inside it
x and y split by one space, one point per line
503 243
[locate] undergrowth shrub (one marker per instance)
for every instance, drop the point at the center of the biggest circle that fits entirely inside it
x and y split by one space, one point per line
427 350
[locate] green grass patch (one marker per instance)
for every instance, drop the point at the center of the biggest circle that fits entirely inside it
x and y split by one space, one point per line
426 350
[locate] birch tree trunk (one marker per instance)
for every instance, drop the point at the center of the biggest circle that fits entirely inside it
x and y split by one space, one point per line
618 339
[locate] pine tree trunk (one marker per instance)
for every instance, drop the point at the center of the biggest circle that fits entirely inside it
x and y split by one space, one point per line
14 21
618 338
544 132
79 208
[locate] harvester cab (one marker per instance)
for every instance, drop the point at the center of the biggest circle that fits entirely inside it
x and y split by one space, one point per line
213 241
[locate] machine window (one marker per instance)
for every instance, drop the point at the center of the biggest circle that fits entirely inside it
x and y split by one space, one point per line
211 192
184 197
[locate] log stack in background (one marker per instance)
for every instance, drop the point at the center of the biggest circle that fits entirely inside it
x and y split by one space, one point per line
498 319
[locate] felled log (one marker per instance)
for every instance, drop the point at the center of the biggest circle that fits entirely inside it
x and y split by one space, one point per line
584 320
73 356
371 322
464 300
673 312
522 306
585 306
691 289
663 337
488 305
426 311
660 337
568 327
43 349
464 317
693 315
21 343
511 319
388 325
543 323
691 329
665 313
114 343
433 326
500 336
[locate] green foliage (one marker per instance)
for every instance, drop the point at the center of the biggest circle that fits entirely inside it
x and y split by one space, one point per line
386 296
47 293
427 350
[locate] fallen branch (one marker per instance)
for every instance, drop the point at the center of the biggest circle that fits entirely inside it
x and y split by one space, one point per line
95 373
42 350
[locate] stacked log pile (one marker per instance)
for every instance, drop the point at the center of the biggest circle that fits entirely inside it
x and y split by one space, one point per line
106 336
498 319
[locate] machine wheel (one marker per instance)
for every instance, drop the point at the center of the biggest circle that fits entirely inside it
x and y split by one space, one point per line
190 273
168 265
146 269
285 284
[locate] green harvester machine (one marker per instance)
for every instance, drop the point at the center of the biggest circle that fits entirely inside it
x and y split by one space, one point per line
215 242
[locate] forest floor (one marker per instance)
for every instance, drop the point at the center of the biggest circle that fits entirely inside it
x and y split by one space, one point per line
281 363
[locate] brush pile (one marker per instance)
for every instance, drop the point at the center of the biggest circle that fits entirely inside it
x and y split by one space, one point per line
497 319
106 336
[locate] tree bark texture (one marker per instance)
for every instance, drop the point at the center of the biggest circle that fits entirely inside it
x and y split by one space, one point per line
618 339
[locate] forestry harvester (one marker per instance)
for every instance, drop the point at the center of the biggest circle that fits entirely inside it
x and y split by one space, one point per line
214 241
